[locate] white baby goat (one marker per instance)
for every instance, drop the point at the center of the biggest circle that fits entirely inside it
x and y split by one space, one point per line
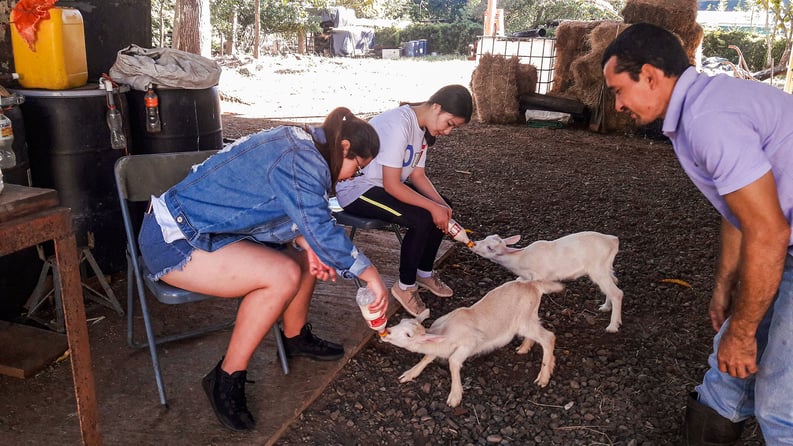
566 258
505 312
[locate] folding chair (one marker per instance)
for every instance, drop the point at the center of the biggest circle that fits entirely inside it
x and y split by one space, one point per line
138 177
357 222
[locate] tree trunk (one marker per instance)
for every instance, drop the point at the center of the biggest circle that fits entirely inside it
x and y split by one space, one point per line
256 28
161 42
235 25
301 41
192 31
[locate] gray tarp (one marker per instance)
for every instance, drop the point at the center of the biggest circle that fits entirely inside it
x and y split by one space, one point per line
165 67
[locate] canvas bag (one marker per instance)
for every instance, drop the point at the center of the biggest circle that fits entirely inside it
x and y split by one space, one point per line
165 67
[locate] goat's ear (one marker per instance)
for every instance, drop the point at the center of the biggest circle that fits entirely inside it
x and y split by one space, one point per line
430 338
512 240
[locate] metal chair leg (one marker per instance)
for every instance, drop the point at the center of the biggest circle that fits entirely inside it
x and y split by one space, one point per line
279 344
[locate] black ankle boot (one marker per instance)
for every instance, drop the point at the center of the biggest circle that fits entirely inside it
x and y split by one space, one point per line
704 426
227 395
309 345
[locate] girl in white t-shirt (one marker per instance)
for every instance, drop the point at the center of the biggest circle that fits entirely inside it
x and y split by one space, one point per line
394 187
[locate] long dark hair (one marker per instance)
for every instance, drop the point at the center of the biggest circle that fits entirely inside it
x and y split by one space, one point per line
454 99
341 124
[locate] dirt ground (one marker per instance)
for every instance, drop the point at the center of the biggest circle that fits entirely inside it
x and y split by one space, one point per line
627 388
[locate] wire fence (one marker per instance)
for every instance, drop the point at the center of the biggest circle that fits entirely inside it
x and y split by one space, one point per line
537 51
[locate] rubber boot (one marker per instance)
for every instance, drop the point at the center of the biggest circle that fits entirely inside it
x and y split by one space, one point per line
704 426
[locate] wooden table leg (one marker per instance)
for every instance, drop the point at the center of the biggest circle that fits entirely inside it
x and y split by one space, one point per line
77 335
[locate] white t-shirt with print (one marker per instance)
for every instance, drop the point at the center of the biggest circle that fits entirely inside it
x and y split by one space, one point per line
402 145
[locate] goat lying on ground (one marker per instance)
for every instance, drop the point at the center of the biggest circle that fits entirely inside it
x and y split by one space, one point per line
492 322
566 258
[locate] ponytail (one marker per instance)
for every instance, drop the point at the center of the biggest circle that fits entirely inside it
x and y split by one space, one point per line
341 124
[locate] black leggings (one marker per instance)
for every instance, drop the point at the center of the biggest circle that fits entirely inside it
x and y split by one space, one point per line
422 239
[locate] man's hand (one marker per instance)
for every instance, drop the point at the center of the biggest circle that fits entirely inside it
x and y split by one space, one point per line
737 354
719 309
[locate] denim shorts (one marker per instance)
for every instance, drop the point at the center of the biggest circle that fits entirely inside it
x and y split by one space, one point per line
160 257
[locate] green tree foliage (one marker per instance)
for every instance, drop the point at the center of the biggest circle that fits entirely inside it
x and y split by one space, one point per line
222 18
437 10
162 17
521 15
753 46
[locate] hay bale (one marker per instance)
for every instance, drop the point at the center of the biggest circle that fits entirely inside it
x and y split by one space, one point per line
495 91
526 79
571 42
603 34
692 39
587 72
590 87
678 16
669 14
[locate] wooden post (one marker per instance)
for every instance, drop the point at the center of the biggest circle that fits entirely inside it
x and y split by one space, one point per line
490 18
789 78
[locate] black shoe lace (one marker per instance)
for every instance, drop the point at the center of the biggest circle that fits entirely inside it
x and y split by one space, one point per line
314 338
237 399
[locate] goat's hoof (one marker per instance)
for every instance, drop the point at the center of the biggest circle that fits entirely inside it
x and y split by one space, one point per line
405 378
612 328
605 308
542 381
453 401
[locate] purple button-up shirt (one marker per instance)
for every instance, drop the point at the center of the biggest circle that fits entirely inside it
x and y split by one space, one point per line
729 132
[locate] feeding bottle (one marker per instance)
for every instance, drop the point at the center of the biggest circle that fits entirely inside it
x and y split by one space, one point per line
376 321
458 233
152 103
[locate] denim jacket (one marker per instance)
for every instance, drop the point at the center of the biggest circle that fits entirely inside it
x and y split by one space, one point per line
269 187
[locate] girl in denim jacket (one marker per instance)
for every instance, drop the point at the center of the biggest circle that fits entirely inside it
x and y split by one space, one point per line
253 221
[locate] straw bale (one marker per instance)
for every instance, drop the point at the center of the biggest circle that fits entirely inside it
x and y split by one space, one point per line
692 39
604 34
526 79
613 120
495 89
590 86
587 80
587 72
672 15
571 42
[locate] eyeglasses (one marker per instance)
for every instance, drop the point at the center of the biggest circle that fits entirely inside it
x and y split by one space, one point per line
358 172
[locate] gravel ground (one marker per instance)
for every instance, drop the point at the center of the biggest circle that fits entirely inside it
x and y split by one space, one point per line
627 388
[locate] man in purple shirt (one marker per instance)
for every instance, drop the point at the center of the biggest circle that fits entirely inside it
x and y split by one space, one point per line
734 139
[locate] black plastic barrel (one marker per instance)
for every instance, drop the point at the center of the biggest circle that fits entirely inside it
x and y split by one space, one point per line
69 149
20 270
190 121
